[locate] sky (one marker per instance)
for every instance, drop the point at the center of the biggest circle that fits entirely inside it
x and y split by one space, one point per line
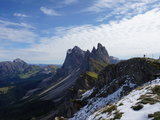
41 31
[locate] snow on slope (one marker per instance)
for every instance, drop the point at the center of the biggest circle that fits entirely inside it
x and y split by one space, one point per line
94 109
87 94
97 103
127 102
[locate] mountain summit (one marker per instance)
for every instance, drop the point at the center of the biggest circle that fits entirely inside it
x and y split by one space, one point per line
85 83
74 59
79 71
100 53
18 60
77 59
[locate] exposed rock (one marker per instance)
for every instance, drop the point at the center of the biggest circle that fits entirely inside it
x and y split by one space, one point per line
85 60
71 80
117 80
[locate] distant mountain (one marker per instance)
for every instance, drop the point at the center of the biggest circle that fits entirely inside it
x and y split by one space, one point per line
87 81
11 69
18 69
79 71
19 78
114 60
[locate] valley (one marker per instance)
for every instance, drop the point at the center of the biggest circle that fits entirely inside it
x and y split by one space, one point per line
83 88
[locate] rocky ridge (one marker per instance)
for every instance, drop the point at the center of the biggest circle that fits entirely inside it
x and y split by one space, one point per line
115 81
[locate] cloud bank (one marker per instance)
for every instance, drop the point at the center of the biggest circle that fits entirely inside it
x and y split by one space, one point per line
16 32
127 38
121 8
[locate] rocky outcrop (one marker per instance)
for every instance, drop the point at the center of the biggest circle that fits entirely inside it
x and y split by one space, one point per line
137 71
117 80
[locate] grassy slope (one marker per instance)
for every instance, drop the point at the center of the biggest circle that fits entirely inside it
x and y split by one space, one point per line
92 74
4 90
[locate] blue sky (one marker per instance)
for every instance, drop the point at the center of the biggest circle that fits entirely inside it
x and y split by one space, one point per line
41 31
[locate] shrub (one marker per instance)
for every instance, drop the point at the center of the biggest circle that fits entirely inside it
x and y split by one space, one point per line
137 107
121 104
109 108
146 99
156 90
118 115
155 116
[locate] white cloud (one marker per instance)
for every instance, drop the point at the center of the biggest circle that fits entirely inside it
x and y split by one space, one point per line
16 32
128 38
20 15
121 8
7 23
50 12
69 2
16 35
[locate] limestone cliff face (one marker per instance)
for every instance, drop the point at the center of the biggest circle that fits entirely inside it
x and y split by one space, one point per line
98 59
93 61
74 80
100 54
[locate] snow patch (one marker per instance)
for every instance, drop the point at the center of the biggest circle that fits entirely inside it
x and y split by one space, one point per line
97 103
129 101
87 94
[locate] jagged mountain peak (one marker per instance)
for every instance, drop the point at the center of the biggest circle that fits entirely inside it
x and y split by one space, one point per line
76 50
18 60
94 49
80 60
99 47
100 54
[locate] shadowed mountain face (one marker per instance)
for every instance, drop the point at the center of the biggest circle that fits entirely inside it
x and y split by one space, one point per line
18 70
74 60
64 93
77 62
77 59
100 54
79 72
114 82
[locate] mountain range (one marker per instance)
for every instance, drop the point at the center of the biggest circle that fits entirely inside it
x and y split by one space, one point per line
83 88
